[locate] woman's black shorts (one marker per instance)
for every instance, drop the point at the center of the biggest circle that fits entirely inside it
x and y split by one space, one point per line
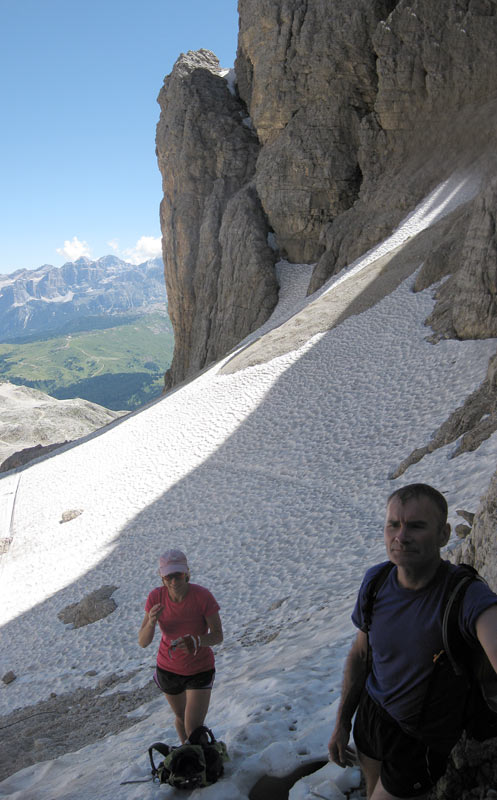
408 766
172 683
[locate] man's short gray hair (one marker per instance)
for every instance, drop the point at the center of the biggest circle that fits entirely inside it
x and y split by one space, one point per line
417 490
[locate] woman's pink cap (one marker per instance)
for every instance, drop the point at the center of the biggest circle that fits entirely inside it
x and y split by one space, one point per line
172 561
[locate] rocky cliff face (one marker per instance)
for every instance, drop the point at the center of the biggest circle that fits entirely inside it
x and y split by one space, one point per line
340 117
219 266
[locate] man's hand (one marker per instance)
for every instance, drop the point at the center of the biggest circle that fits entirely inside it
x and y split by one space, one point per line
339 749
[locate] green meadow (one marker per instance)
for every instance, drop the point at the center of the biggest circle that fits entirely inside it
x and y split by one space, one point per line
120 367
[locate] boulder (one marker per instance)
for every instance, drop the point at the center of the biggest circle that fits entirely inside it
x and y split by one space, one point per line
70 514
94 606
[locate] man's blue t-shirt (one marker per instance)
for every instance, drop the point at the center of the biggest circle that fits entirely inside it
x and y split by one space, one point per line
406 634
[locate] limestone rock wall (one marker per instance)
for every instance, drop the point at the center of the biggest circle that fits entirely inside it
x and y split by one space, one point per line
343 116
307 74
467 302
219 267
479 547
484 536
433 113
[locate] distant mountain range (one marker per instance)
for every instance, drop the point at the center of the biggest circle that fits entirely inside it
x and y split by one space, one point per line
52 300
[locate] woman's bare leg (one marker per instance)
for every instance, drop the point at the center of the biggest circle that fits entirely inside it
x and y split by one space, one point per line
178 705
197 704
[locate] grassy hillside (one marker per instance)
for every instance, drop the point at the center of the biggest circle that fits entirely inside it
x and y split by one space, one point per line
120 367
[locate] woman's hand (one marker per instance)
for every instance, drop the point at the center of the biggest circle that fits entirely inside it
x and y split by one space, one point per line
147 630
190 643
154 613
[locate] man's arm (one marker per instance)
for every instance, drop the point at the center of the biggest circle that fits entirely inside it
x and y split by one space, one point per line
486 631
354 678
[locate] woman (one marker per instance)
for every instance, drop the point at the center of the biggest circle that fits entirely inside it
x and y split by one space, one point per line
189 622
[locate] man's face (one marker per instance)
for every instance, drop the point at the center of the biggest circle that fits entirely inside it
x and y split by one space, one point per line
414 533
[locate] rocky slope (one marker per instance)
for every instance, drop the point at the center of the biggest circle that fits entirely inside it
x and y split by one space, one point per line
33 423
51 299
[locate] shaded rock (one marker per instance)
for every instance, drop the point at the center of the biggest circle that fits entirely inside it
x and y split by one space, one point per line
472 768
92 607
219 268
444 259
471 771
28 454
431 56
9 677
307 73
467 515
467 303
462 531
480 548
433 113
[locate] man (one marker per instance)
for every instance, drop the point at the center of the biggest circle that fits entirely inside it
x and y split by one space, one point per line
405 727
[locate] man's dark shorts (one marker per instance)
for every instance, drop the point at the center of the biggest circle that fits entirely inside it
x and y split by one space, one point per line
408 767
172 683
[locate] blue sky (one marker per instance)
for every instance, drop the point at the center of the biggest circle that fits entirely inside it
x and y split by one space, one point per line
79 81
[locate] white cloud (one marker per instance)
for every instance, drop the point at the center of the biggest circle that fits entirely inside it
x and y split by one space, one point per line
74 249
145 248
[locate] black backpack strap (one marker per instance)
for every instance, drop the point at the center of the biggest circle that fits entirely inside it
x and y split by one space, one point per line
161 748
202 736
454 645
371 594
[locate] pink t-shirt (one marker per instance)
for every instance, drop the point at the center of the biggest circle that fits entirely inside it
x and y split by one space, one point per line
178 619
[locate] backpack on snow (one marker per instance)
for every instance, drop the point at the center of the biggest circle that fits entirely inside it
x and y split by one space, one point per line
198 762
469 665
